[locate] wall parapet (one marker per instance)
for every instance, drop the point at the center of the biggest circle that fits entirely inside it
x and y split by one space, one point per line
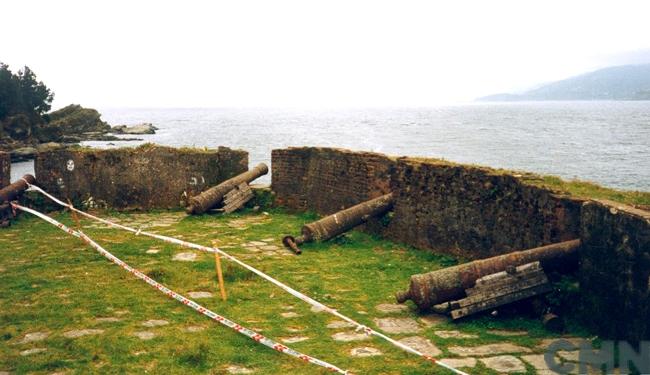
468 211
144 177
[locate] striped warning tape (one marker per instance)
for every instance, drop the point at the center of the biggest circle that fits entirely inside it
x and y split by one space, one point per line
185 301
286 288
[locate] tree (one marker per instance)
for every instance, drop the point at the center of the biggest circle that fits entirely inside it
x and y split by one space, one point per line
22 93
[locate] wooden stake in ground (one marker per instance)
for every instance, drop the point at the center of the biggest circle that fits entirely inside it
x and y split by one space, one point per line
222 286
74 216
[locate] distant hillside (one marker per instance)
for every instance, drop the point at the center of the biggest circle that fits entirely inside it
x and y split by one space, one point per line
626 82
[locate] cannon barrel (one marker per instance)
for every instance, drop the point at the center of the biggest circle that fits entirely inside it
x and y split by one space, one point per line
213 196
429 289
340 222
10 192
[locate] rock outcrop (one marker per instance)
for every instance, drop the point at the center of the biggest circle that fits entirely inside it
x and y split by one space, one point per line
144 128
76 120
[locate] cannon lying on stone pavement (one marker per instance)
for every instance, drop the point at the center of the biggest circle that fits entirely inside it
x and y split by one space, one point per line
452 283
9 193
216 194
340 222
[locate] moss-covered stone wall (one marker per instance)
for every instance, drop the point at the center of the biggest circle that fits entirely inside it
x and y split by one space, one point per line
5 169
615 270
475 212
327 180
458 209
136 178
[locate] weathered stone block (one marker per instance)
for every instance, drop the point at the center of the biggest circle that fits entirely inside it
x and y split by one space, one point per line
145 177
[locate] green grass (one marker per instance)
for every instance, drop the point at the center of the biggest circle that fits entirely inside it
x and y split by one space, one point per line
53 282
584 189
575 188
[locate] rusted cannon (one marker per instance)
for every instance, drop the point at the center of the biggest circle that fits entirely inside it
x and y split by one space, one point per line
340 222
213 196
11 192
429 289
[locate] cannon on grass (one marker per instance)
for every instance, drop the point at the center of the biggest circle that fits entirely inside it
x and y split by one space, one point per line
10 193
491 282
340 222
234 192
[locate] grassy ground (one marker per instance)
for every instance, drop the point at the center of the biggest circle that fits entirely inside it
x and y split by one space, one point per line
51 282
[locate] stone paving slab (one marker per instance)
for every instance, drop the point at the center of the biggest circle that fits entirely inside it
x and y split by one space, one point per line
365 351
505 332
82 332
194 329
453 334
34 336
295 339
576 341
504 364
421 344
434 320
185 257
350 336
460 362
198 295
144 335
338 324
489 349
108 319
539 363
234 369
32 351
389 308
155 323
398 325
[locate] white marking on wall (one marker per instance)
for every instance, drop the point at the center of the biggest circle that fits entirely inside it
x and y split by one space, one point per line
70 165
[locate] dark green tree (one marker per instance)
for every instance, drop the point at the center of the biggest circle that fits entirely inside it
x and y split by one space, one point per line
22 93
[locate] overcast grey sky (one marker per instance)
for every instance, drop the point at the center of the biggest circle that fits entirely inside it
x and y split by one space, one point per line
307 53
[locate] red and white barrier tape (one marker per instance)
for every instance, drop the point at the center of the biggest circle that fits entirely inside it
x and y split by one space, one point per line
286 288
185 301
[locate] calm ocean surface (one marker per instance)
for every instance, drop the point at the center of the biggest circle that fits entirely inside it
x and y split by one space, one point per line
604 142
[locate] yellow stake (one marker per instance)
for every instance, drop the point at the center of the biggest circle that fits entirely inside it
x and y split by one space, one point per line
217 265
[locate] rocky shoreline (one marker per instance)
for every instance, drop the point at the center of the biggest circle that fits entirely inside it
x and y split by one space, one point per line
67 126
